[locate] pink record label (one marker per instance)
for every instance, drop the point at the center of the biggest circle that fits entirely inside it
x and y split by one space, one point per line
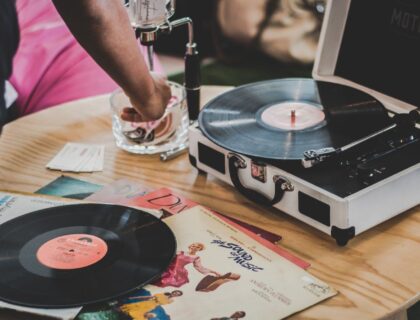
292 115
72 251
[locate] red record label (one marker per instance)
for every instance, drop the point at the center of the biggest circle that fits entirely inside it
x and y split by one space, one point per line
72 251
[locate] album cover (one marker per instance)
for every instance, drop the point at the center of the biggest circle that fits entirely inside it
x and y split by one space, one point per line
68 187
131 193
172 203
219 272
165 202
13 205
163 199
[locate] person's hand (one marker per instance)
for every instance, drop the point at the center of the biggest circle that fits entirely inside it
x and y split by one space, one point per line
149 106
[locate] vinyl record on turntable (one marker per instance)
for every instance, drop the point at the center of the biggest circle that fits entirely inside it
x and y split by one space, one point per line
81 254
281 119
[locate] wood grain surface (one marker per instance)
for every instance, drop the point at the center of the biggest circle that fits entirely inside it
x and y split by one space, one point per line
377 274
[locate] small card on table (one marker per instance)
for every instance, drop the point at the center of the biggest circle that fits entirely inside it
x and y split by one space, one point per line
79 157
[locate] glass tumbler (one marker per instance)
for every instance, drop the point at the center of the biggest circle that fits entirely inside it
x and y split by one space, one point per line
167 133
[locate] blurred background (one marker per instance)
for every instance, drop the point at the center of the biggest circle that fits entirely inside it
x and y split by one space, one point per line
242 41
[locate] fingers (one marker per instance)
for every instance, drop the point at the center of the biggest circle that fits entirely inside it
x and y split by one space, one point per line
149 108
131 115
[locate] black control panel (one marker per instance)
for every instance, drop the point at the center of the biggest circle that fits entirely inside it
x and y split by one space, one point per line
369 163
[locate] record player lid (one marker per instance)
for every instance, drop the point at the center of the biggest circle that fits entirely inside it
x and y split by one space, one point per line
373 46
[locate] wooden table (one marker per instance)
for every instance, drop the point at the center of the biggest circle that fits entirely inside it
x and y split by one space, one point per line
377 274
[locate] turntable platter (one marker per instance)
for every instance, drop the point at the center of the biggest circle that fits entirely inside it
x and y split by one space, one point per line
281 119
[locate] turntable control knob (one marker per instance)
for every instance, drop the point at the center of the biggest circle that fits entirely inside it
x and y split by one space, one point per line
369 175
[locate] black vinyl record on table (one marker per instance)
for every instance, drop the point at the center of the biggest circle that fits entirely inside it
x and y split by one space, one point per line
237 120
81 254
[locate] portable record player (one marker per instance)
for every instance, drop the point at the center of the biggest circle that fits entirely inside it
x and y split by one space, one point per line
340 153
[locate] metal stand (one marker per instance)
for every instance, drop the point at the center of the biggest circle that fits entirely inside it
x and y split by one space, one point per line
192 81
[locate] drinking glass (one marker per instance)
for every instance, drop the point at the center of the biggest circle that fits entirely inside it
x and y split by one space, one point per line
168 133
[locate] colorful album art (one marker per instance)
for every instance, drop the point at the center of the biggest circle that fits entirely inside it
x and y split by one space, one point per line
177 274
140 305
163 199
131 193
68 187
145 305
170 203
225 274
218 273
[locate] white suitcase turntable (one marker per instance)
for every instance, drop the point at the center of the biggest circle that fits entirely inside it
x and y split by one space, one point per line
340 153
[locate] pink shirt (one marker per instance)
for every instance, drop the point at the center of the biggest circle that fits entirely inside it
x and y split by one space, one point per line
50 67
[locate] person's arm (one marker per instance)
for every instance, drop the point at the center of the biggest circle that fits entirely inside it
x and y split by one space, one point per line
102 27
